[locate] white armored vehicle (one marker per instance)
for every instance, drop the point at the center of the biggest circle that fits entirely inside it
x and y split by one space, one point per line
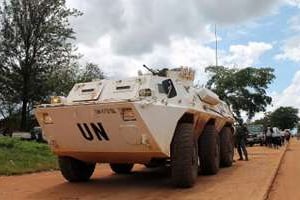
152 119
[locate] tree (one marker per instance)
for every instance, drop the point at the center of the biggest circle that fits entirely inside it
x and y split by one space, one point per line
62 80
243 89
285 118
90 72
34 45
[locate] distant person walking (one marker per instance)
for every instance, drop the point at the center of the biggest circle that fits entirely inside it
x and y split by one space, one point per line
269 132
282 138
276 138
287 135
241 136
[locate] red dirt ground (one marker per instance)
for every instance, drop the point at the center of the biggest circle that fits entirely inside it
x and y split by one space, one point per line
287 183
244 180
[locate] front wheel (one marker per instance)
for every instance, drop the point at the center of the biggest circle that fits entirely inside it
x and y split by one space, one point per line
226 147
75 170
123 168
184 156
209 151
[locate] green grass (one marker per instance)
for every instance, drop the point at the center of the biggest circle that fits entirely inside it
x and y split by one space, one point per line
19 157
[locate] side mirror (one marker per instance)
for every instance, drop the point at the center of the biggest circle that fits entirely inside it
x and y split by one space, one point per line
169 88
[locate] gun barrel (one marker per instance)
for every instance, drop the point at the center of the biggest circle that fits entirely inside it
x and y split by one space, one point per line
151 70
147 68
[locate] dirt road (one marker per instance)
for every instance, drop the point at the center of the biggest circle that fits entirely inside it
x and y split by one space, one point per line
244 180
287 182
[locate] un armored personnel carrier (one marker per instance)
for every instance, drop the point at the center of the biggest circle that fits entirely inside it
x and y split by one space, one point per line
153 119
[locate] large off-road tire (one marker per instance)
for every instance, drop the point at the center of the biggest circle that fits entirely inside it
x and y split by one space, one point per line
226 147
184 156
121 168
75 170
209 151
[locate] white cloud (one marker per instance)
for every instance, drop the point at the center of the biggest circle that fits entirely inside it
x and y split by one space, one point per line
246 55
293 2
294 23
291 50
122 35
180 52
101 53
290 96
136 27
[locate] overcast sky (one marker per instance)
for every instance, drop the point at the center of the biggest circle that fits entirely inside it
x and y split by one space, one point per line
122 35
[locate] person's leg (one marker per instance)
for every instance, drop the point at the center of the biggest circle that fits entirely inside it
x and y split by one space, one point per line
277 142
239 150
273 142
243 146
269 142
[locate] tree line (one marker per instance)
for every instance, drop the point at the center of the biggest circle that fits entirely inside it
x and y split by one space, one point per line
282 118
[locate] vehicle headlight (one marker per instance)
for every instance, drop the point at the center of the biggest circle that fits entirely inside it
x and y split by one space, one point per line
128 114
47 119
57 99
145 92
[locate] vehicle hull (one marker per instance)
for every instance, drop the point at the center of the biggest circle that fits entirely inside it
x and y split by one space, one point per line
97 132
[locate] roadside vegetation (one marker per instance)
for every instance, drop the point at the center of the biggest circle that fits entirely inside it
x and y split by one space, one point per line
243 89
38 58
19 157
282 117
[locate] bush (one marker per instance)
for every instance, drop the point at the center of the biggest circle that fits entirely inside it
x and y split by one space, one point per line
18 157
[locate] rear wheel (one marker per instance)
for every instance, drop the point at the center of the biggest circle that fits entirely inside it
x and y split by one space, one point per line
75 170
184 156
123 168
226 147
209 151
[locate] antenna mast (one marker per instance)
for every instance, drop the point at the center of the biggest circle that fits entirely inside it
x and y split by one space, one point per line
216 45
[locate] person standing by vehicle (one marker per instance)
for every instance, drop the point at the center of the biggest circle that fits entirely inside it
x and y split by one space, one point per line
241 135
